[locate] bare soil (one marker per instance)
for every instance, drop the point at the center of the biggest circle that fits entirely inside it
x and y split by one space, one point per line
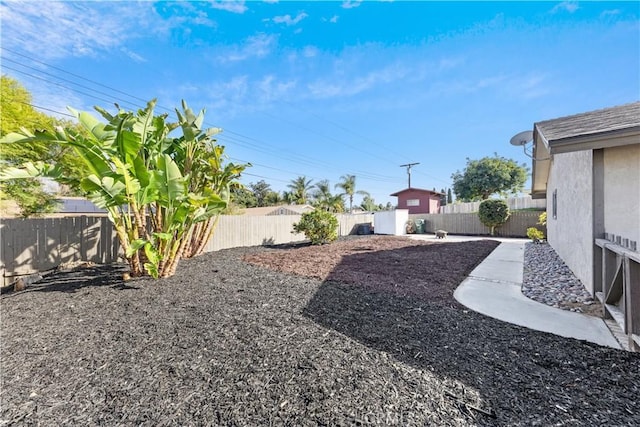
362 332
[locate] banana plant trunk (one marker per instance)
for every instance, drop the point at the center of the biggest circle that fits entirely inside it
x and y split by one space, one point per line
201 235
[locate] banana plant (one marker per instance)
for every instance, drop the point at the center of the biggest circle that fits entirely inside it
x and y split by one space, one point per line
203 161
157 190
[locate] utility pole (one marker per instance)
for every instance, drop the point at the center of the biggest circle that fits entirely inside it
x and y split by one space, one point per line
408 166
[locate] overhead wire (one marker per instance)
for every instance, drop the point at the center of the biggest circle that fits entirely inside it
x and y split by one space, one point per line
236 137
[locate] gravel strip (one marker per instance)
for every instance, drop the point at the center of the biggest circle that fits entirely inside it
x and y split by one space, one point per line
548 280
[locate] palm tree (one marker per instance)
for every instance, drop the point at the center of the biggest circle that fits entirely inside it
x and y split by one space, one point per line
325 200
348 186
288 197
368 204
300 189
274 198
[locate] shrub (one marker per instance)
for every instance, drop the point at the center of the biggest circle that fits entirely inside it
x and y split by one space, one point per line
542 219
534 234
493 213
318 226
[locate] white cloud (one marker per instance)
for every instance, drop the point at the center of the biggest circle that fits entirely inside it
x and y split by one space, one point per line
271 89
533 85
352 86
203 19
235 96
63 29
611 12
288 20
132 55
310 51
229 6
257 46
333 19
350 4
449 63
565 6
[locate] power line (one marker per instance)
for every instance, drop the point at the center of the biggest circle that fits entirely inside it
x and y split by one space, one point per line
238 139
74 75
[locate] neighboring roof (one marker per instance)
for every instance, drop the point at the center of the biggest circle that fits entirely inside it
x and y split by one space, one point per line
418 190
565 134
278 210
605 128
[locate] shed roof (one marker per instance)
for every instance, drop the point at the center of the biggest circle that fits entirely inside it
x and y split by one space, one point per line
416 189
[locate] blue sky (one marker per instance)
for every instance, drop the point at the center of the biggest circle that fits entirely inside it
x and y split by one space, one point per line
324 89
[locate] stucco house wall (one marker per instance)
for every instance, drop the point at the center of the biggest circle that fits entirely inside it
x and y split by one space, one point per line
622 192
571 231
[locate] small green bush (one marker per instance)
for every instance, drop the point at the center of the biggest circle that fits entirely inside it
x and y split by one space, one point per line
318 226
493 213
534 234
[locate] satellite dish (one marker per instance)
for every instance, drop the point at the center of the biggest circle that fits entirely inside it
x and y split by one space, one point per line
522 138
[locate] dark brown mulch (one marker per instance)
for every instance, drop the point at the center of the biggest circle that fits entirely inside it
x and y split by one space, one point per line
225 342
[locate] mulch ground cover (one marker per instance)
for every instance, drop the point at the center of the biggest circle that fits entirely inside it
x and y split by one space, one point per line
233 343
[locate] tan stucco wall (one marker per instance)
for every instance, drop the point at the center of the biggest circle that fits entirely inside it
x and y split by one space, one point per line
571 233
622 191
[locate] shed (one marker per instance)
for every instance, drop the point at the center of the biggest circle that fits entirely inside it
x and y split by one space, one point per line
418 201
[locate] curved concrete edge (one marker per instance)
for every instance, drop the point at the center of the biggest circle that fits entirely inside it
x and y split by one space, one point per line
494 289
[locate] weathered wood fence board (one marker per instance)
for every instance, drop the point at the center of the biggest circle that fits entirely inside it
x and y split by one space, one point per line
35 245
514 203
469 223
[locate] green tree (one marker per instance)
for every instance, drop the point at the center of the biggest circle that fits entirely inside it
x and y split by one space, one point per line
274 198
443 197
488 176
243 197
29 195
261 191
493 213
348 186
162 194
16 112
288 197
300 188
369 204
449 196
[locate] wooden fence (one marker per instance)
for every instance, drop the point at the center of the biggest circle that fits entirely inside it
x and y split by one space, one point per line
469 224
30 246
514 203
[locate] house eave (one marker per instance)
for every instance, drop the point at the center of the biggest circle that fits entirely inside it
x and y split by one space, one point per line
608 139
